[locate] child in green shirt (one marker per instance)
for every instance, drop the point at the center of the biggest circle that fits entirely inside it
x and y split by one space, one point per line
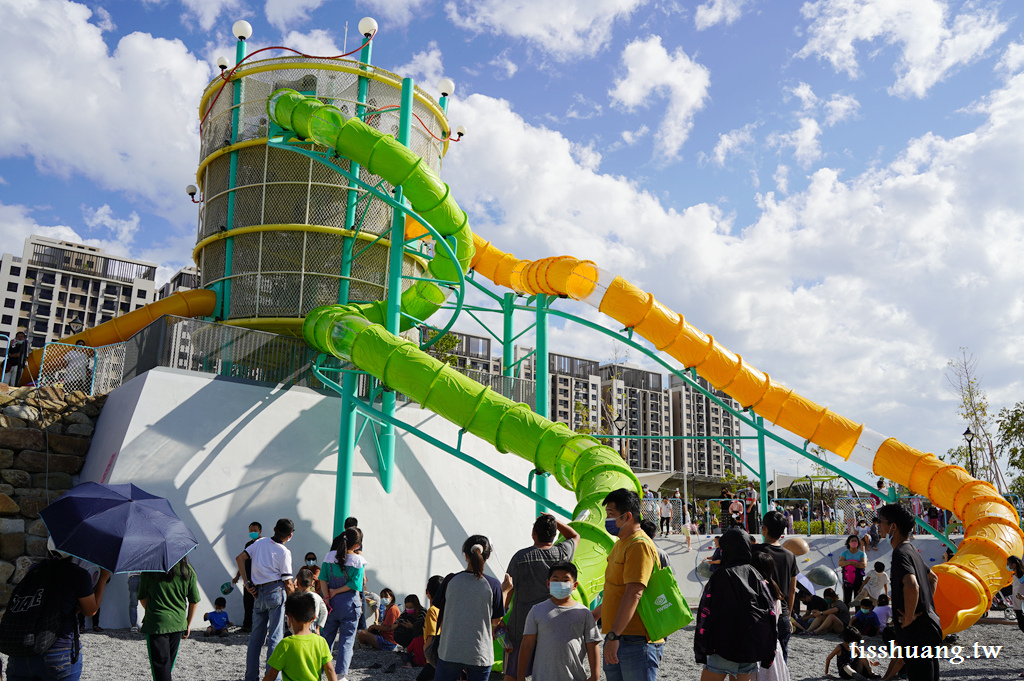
301 656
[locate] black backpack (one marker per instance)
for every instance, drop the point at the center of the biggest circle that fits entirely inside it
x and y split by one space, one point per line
33 619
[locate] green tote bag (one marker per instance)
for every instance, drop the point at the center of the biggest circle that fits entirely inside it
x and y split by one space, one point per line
663 610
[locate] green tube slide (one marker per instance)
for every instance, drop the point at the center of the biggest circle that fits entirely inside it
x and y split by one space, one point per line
355 334
578 462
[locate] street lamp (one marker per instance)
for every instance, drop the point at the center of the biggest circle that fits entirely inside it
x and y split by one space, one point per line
620 425
76 324
969 436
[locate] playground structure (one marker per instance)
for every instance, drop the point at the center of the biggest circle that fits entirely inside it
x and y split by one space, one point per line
375 243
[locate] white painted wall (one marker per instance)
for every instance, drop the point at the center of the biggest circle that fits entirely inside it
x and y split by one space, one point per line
228 452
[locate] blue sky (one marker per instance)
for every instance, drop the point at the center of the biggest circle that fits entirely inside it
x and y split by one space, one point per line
829 187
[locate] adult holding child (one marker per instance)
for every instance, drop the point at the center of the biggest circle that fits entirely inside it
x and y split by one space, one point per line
527 579
474 604
913 595
341 582
269 581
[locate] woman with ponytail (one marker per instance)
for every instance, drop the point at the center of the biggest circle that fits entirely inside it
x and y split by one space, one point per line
477 606
341 581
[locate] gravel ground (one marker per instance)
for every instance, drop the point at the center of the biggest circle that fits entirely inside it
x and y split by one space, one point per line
121 656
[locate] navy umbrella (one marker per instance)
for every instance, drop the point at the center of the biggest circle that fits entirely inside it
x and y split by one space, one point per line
118 527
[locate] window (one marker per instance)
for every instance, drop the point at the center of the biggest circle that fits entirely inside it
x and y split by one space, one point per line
22 322
9 303
38 341
105 318
40 326
7 319
12 286
92 318
29 290
43 310
15 271
141 293
63 280
138 307
127 306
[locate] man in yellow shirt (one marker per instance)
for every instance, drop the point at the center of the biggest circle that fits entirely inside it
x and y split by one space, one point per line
629 654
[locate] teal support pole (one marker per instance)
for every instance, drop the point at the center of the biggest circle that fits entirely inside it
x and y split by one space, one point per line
348 242
761 466
507 333
393 316
346 453
543 378
224 295
443 103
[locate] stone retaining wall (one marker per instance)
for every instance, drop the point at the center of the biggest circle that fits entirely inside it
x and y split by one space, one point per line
44 436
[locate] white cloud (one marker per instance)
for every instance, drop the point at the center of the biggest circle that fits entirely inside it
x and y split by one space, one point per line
805 94
631 137
932 44
126 120
103 217
318 43
781 178
284 13
839 108
1012 59
426 67
845 291
396 12
586 156
732 142
506 67
804 140
103 20
17 224
566 29
206 12
652 71
717 11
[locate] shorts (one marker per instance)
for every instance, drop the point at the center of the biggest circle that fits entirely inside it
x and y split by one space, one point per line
719 665
385 644
685 529
511 666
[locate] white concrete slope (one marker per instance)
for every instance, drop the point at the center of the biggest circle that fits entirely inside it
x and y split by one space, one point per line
228 452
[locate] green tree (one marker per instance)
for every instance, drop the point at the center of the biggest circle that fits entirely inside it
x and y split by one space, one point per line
965 382
1010 442
442 349
583 414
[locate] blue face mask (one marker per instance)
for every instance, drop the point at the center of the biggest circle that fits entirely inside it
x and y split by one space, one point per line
560 589
254 535
613 529
865 610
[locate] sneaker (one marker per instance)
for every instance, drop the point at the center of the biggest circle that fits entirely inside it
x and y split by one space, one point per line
97 629
135 630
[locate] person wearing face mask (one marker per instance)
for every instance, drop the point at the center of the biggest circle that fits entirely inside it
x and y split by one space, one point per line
409 632
430 627
248 601
310 559
382 636
1016 568
526 577
834 618
560 636
852 562
913 590
628 651
865 620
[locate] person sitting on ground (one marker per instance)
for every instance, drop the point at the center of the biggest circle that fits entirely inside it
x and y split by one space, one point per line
306 582
883 611
716 558
846 662
865 620
876 584
764 563
310 559
430 627
382 636
834 618
651 530
303 655
734 599
814 604
218 619
560 636
409 632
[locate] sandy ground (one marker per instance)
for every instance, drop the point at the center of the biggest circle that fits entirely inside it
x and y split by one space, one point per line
120 655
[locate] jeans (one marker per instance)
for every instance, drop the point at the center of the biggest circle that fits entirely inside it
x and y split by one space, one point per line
638 660
450 671
785 630
133 599
53 664
248 602
267 626
341 621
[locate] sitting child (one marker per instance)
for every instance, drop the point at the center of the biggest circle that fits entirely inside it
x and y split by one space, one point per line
865 620
876 584
382 636
409 632
303 655
218 619
849 666
307 582
884 614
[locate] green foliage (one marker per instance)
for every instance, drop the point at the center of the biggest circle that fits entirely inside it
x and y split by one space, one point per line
583 412
442 349
1017 486
1010 435
800 527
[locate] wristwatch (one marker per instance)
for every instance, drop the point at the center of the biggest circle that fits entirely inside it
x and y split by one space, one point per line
611 636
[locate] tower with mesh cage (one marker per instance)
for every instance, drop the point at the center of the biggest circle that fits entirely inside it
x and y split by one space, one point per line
280 234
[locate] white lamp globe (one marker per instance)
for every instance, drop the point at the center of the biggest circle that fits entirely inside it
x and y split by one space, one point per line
222 62
461 130
367 26
446 87
191 190
242 30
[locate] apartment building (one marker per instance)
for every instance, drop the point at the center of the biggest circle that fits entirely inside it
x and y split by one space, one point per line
694 414
472 353
524 362
185 279
56 288
575 391
639 398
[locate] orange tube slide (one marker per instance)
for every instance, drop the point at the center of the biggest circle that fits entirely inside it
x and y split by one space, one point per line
197 303
991 524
